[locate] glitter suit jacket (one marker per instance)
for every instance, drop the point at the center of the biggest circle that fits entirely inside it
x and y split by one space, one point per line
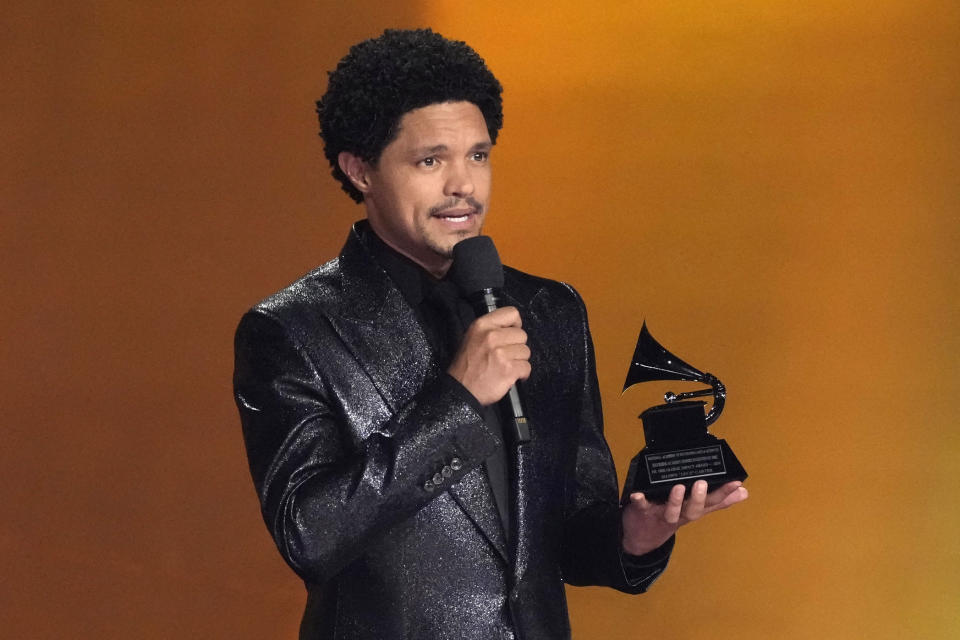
369 467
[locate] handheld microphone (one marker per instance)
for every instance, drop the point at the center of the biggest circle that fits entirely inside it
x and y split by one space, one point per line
478 274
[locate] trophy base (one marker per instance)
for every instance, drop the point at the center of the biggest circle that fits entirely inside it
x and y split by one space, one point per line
654 471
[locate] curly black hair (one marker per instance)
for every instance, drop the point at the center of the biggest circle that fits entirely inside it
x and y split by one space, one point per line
383 78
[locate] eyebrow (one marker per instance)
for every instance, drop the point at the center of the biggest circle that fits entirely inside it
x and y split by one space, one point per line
426 151
438 148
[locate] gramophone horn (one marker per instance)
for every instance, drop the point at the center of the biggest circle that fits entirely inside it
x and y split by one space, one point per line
652 362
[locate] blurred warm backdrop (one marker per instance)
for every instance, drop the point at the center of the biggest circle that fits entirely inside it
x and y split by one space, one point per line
772 185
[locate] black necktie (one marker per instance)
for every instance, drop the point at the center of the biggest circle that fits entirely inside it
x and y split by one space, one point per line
442 299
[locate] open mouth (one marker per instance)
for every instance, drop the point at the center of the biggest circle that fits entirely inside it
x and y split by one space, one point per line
456 215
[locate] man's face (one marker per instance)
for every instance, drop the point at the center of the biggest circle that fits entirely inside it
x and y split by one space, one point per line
431 186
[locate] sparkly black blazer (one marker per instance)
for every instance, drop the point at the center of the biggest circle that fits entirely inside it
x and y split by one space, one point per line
369 465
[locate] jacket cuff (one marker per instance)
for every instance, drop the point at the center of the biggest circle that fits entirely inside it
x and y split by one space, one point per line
451 385
449 437
642 571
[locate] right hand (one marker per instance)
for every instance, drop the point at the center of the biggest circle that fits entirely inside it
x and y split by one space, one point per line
492 356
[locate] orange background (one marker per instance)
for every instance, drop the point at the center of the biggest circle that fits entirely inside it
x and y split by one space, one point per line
772 185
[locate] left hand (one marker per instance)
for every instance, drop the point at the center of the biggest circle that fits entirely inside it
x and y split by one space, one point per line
647 525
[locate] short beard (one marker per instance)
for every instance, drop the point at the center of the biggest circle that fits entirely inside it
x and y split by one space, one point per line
447 252
452 203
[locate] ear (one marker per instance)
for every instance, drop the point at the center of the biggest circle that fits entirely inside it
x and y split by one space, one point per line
356 169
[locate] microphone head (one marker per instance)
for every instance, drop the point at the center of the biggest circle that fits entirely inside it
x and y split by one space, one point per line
476 266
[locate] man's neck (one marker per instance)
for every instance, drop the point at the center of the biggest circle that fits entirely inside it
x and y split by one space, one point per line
436 265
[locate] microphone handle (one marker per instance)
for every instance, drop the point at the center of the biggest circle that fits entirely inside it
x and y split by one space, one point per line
512 407
519 429
486 303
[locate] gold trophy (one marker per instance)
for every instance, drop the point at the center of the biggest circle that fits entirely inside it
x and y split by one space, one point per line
678 448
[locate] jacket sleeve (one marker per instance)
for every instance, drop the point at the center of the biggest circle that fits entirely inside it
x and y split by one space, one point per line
324 495
592 552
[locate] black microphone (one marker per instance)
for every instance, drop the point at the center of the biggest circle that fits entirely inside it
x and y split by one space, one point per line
478 274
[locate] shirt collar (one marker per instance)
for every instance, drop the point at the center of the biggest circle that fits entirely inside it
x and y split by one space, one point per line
413 280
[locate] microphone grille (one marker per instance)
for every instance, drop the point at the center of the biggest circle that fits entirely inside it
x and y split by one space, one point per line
476 265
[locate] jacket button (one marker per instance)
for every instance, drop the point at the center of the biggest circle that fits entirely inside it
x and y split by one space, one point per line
437 478
446 471
456 464
428 485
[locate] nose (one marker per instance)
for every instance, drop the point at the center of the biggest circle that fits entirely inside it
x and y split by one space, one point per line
459 180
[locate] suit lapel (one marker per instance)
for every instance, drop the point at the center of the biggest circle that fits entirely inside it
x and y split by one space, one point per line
380 328
521 502
523 459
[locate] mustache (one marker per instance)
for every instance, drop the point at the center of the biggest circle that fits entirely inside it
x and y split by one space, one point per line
456 203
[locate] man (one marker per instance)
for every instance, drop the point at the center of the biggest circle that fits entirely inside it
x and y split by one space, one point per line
367 391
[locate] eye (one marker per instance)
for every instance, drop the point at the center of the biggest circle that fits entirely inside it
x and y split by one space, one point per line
480 156
428 162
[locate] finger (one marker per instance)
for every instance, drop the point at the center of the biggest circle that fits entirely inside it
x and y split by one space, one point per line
516 370
510 335
737 495
674 504
642 508
694 506
513 361
639 501
496 337
717 496
502 317
515 352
